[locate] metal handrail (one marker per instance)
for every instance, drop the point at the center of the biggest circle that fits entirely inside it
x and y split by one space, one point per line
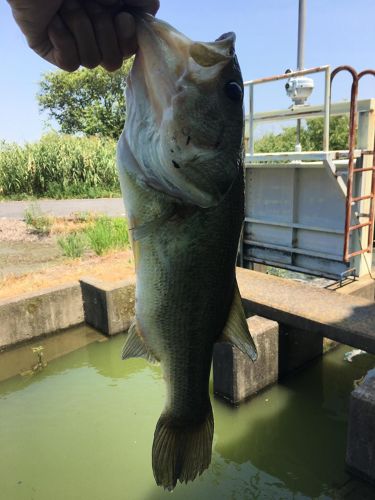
284 76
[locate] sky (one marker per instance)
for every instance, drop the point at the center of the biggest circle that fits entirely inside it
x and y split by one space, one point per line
338 32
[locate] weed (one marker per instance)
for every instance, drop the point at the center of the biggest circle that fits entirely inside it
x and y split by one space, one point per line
106 234
73 245
120 232
84 216
39 223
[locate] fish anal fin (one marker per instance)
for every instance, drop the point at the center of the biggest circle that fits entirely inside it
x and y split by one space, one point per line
181 451
236 330
135 346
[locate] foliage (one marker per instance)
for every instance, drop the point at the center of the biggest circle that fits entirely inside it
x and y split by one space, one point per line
107 234
311 137
276 271
59 166
73 245
88 101
39 223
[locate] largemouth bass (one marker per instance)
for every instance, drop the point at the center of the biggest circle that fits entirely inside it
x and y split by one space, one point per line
181 174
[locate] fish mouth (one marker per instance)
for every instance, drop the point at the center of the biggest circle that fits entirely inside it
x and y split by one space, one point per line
165 56
172 77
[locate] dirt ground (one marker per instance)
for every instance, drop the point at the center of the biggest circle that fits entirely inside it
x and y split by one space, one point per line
29 262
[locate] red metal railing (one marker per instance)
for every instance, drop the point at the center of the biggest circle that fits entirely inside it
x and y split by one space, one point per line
350 199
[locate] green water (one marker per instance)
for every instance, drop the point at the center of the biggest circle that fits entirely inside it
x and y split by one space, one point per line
82 429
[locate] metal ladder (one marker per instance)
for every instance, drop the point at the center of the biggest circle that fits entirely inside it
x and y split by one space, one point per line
354 169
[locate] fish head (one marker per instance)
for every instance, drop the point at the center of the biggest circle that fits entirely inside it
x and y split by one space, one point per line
185 113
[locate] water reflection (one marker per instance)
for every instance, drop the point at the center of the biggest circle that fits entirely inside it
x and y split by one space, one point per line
303 421
21 359
17 363
108 362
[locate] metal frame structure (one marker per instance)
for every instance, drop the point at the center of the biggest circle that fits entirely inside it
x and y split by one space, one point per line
331 263
327 101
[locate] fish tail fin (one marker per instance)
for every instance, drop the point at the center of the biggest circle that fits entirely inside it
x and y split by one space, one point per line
181 451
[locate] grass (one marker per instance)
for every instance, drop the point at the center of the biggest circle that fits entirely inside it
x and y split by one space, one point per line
73 245
85 231
107 234
37 222
100 234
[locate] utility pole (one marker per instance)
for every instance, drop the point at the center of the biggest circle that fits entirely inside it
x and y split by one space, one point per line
300 57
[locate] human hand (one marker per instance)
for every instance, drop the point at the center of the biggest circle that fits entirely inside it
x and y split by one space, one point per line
70 33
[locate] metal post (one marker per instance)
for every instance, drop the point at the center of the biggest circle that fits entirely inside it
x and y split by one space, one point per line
251 119
300 57
327 106
301 34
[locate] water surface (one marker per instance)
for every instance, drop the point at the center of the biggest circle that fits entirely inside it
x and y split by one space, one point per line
82 429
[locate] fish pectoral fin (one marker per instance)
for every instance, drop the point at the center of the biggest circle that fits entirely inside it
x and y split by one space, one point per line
236 330
135 346
140 232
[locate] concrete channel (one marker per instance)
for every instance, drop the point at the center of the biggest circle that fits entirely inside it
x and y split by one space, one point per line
292 323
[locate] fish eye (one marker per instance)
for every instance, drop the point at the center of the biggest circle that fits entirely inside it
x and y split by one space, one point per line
234 91
232 51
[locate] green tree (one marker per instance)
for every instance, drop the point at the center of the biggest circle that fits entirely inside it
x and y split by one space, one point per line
89 102
311 137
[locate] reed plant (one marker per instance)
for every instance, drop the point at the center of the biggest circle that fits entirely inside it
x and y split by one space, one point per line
59 166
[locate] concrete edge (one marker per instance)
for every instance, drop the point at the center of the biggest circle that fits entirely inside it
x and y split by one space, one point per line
107 286
363 288
36 293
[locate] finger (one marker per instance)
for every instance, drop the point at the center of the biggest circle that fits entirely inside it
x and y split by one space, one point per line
151 6
125 29
62 50
79 24
105 33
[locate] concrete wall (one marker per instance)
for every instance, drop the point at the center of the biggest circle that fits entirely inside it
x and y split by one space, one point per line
109 307
360 453
36 314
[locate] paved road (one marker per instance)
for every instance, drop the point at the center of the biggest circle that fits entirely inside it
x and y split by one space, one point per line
63 208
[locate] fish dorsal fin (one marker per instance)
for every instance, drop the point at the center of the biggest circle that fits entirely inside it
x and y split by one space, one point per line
135 347
236 330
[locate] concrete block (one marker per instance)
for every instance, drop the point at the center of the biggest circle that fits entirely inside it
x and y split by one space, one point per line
363 287
40 313
236 377
360 453
108 307
297 347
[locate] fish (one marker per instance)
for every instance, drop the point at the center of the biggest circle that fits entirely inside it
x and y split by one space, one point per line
180 165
